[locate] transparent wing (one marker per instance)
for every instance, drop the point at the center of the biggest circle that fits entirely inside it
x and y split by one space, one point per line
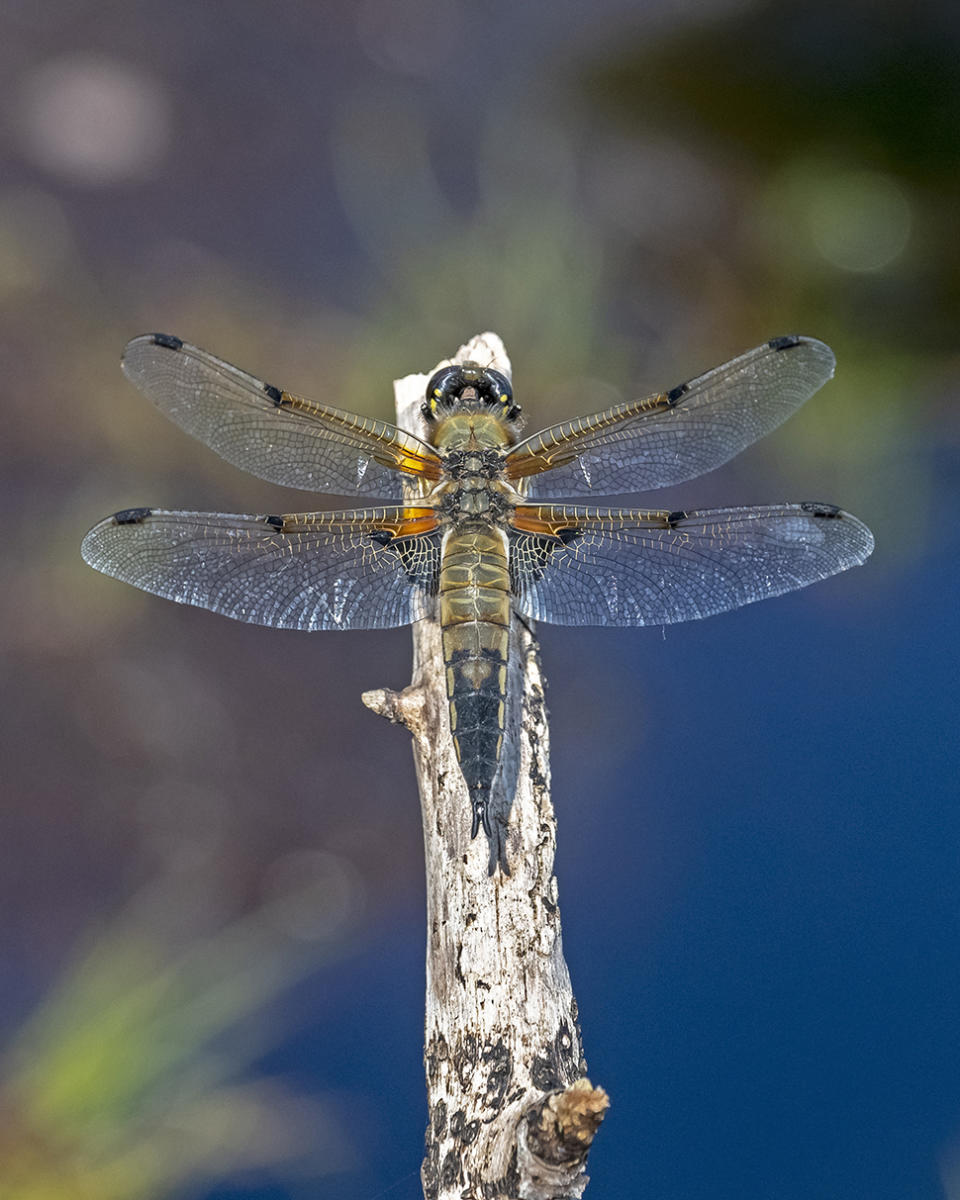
367 569
270 433
675 435
589 566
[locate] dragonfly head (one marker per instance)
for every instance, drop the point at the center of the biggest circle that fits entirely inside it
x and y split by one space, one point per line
469 387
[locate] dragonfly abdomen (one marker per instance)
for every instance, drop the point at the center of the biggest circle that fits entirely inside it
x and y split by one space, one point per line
475 619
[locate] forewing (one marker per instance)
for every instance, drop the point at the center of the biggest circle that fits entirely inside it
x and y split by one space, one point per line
271 433
676 435
588 566
367 569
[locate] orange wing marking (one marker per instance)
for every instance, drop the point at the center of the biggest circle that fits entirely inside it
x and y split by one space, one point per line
556 520
412 523
415 464
393 452
542 519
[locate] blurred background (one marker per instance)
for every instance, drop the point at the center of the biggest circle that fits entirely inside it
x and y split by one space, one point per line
211 894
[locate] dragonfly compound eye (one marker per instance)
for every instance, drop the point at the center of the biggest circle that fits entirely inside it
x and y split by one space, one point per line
497 390
443 391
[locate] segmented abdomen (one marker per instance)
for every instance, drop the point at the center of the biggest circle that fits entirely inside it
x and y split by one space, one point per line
475 619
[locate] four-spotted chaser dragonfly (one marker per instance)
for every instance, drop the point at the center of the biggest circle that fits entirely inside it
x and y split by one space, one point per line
473 534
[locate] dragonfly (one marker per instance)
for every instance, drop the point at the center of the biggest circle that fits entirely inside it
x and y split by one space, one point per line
476 524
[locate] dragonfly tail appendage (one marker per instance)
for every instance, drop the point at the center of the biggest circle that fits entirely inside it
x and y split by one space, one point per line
493 826
480 799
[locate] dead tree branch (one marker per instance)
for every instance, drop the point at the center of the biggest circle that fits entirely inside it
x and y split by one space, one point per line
511 1112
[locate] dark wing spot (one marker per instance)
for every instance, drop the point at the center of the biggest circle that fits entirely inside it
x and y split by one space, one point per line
674 394
167 341
676 517
829 511
415 561
275 394
131 516
784 343
276 522
381 536
530 555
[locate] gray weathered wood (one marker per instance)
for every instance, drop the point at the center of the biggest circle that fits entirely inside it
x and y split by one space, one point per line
511 1113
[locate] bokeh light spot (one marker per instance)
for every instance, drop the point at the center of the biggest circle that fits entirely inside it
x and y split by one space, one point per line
93 120
860 220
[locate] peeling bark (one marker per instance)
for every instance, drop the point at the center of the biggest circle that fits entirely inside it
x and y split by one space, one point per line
511 1114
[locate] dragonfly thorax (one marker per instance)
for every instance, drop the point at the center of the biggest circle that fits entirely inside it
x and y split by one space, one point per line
461 464
473 446
472 431
473 498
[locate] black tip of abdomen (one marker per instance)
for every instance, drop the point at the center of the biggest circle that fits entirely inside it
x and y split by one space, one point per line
480 799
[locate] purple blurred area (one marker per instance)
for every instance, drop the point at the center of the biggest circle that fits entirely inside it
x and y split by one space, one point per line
758 831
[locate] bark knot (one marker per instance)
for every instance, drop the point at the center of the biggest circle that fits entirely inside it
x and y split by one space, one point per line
562 1127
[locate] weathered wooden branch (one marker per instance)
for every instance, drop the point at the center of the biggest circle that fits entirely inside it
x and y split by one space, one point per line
511 1112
